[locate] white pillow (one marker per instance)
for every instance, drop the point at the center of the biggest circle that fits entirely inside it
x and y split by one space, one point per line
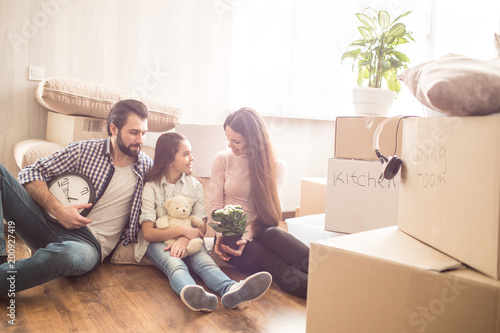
458 86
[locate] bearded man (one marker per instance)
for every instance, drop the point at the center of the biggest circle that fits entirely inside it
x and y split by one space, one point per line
71 244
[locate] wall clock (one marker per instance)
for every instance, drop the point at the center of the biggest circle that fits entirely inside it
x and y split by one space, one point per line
71 188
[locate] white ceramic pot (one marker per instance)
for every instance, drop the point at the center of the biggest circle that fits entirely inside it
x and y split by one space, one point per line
372 102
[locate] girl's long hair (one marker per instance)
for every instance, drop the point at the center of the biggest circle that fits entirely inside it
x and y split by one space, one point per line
262 165
167 146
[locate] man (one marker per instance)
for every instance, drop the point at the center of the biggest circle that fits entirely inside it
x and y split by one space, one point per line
76 244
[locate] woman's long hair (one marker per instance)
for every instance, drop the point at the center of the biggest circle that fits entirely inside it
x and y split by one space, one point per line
262 165
167 146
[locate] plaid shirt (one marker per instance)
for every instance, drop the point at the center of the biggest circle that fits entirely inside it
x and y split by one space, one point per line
92 158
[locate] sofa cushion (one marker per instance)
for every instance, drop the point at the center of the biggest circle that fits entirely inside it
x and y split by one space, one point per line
125 256
76 97
26 152
459 86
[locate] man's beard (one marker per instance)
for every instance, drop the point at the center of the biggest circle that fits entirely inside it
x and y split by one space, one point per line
126 150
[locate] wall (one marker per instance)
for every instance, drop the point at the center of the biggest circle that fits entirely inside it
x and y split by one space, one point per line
176 50
305 145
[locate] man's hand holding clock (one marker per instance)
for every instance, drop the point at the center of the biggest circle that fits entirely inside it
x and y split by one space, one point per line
74 196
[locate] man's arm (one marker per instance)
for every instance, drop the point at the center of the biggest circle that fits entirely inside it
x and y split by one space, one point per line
67 216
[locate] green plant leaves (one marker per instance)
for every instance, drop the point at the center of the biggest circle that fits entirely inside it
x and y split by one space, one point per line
383 19
402 57
397 30
367 21
366 33
361 76
231 218
400 16
375 55
392 81
351 54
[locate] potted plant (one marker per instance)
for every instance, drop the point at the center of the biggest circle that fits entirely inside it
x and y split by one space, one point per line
232 224
376 58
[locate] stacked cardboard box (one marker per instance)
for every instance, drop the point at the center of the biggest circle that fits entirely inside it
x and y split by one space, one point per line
439 269
450 187
387 281
354 137
312 197
357 199
63 129
310 228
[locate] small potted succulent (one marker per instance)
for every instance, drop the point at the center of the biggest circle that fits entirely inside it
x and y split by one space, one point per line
376 57
232 224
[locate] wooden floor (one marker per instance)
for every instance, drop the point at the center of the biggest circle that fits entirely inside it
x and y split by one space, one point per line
130 298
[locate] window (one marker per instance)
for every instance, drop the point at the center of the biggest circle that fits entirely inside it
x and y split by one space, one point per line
286 53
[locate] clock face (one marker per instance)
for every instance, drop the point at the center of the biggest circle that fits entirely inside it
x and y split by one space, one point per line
71 188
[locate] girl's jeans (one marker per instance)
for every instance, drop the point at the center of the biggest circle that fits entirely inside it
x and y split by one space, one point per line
177 269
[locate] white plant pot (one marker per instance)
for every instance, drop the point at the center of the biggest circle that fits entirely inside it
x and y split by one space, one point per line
372 102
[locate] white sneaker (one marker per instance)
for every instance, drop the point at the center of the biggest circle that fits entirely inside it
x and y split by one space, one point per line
197 299
247 290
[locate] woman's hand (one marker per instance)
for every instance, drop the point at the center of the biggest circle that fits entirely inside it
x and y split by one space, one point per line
221 253
178 248
224 251
242 242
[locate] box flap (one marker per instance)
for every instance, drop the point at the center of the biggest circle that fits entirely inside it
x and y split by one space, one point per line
393 245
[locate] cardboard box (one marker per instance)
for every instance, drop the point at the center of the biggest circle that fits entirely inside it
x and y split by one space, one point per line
63 129
450 187
354 137
386 281
356 199
206 141
312 196
310 228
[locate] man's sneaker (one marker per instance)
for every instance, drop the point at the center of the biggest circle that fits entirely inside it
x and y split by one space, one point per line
197 299
247 290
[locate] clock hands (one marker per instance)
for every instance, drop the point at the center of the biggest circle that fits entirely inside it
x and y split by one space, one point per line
66 192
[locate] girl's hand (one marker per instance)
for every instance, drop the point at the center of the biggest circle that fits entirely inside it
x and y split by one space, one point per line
242 242
178 248
192 233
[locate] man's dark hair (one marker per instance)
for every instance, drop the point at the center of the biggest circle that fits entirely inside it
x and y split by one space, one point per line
119 112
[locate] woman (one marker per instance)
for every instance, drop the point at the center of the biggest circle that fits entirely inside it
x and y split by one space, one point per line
169 177
249 175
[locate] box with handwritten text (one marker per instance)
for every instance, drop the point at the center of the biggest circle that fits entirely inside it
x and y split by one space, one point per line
357 199
450 187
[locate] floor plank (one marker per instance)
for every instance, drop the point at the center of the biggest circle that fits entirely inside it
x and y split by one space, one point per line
129 298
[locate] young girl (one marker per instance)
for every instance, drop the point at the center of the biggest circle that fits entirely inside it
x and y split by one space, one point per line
249 175
169 177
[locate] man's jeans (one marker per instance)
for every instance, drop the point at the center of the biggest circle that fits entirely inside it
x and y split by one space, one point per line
177 269
57 251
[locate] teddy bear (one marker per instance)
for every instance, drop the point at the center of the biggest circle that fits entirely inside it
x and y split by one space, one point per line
179 214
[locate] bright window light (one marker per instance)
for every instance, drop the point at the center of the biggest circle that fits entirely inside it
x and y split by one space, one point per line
286 53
